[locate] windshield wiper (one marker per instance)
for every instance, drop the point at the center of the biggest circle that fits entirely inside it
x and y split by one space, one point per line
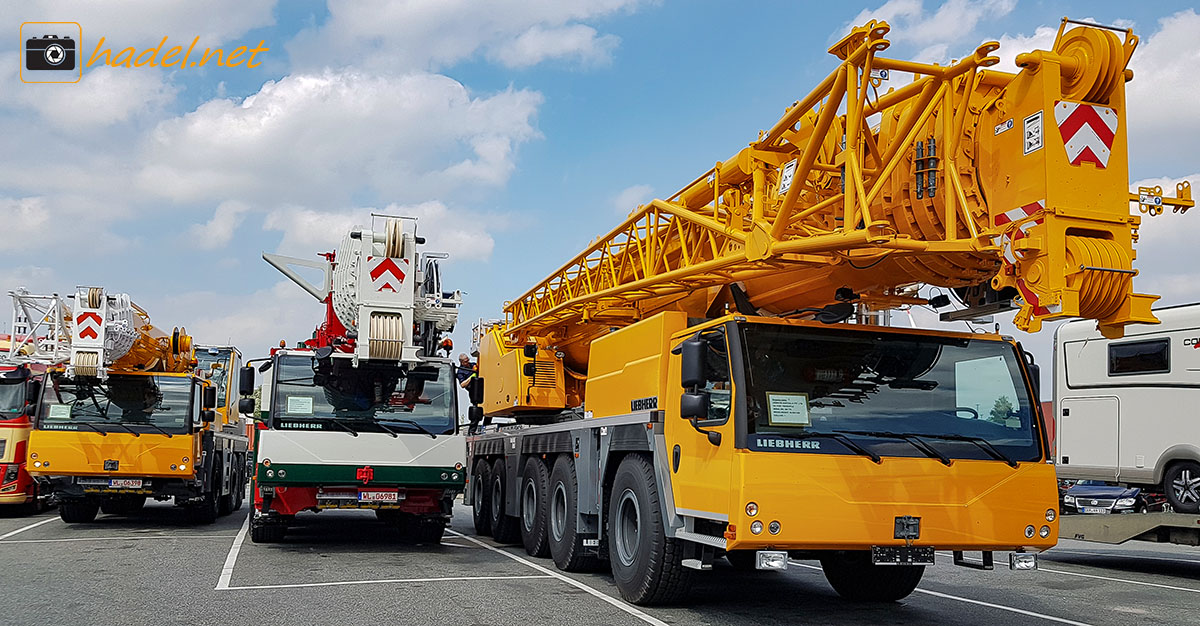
980 442
407 423
836 436
118 423
914 440
93 427
344 426
156 427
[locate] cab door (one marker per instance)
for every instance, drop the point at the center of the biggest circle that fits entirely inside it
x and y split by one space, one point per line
700 471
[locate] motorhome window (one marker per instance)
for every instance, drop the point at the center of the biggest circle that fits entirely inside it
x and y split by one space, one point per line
1139 357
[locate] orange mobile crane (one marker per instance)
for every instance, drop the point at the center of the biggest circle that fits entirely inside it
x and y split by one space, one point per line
687 388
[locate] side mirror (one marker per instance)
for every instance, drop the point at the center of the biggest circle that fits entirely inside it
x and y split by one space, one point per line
530 350
246 406
475 390
1035 372
33 387
692 362
529 369
208 415
323 352
209 400
475 414
694 405
246 381
31 409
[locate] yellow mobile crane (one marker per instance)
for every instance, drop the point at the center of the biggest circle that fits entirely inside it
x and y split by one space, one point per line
688 388
130 417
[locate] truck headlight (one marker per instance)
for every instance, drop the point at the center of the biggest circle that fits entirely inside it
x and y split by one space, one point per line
1126 501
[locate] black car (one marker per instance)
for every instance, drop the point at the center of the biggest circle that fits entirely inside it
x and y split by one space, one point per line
1097 496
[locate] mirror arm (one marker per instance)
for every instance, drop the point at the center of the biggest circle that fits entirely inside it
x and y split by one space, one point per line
714 437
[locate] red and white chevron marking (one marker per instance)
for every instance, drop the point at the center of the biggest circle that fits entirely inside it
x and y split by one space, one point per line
1018 232
87 325
387 274
1087 131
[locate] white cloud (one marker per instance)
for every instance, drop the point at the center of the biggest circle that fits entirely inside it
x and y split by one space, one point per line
333 135
1163 126
1012 45
631 197
140 22
575 42
463 234
105 96
429 34
254 322
218 231
952 22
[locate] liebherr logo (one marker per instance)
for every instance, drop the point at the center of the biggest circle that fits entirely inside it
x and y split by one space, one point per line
365 474
643 404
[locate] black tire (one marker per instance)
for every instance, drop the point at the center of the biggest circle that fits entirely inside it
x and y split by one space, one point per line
418 529
505 528
480 504
1181 484
387 516
743 560
267 532
533 490
224 501
239 489
566 545
855 577
646 565
122 505
208 509
78 511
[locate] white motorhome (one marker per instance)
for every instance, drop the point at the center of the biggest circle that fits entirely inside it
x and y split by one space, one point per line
1128 410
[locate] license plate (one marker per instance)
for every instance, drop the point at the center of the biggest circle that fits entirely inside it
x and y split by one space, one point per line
1092 509
902 555
378 496
125 483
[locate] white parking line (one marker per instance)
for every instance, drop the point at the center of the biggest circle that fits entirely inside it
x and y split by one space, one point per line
1050 554
231 558
33 525
1108 578
382 581
620 604
1011 609
134 538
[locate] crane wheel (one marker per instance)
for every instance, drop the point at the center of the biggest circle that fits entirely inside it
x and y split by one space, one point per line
480 506
566 544
78 511
646 565
855 577
533 491
505 528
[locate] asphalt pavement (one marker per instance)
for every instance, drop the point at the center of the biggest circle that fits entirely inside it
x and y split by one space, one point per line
346 567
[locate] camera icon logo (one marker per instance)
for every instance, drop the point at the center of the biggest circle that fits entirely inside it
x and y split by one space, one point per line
49 56
51 52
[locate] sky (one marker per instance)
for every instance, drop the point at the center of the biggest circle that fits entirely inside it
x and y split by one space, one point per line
515 130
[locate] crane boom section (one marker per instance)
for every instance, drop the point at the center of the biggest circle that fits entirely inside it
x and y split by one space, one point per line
965 178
